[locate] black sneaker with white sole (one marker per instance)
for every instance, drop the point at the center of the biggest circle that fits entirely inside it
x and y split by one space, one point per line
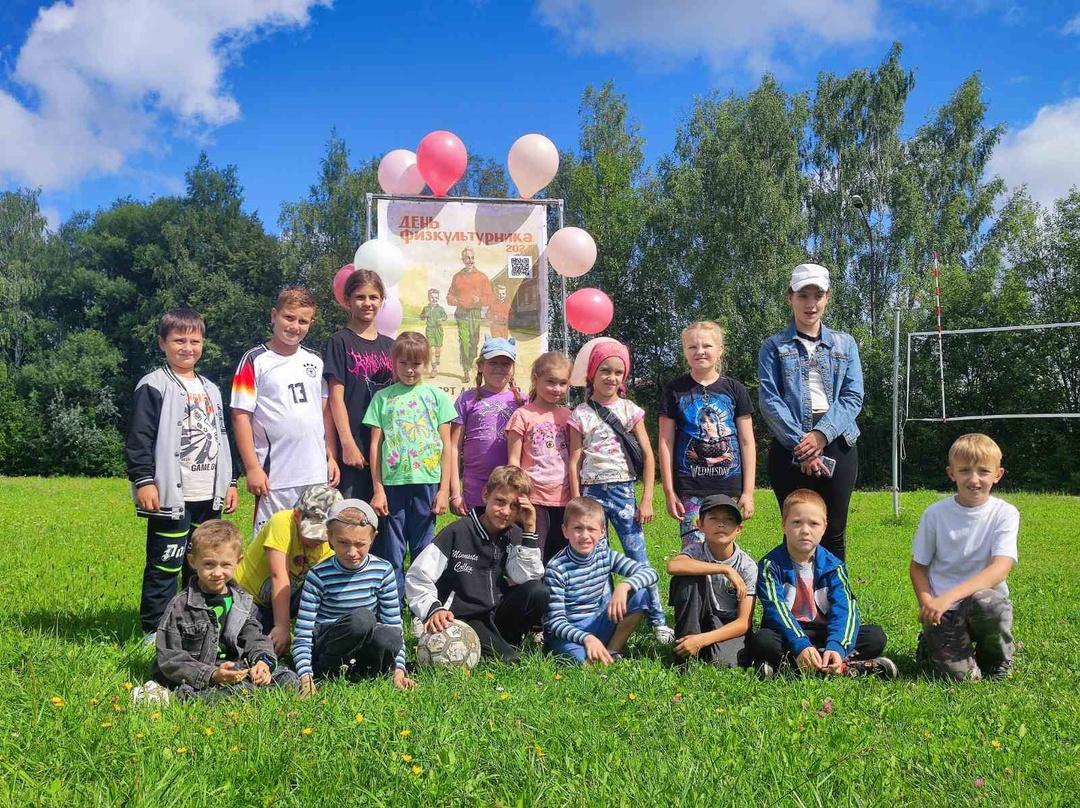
882 667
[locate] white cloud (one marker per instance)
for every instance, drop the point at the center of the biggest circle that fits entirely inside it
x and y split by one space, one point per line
725 33
100 80
1043 155
1072 26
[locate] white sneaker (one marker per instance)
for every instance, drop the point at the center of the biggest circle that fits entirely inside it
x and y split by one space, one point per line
149 640
665 635
417 627
150 693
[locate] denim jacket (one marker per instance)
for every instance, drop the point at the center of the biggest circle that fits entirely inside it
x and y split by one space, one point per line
784 386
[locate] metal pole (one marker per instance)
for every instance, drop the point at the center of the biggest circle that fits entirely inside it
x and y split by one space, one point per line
367 221
562 288
940 345
896 413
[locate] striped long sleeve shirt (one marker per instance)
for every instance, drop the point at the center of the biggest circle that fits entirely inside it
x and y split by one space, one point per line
331 591
580 586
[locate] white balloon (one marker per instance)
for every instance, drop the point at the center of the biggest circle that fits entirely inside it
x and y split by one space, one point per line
533 162
383 258
571 251
399 174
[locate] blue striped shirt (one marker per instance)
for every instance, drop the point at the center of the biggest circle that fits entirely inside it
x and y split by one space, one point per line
331 592
580 586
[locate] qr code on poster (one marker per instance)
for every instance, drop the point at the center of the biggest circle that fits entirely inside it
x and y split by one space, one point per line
519 266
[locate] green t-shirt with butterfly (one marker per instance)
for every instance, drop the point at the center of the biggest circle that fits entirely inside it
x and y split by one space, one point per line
410 417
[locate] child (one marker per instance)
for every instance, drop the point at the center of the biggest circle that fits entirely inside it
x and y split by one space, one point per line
536 442
357 366
478 434
499 312
809 614
586 619
284 435
350 620
434 316
289 544
706 435
410 455
485 570
178 459
961 555
712 589
210 641
599 465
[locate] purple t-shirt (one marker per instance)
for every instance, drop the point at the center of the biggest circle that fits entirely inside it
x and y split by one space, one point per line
483 443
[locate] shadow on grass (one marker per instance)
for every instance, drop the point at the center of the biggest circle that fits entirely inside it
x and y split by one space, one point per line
109 625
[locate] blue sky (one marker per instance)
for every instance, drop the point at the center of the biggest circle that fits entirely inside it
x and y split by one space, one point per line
107 98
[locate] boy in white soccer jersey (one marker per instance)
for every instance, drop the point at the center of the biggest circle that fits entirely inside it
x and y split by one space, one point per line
279 413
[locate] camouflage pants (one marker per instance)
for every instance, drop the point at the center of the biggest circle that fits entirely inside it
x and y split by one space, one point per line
973 638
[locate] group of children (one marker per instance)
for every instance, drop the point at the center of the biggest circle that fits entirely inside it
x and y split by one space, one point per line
352 460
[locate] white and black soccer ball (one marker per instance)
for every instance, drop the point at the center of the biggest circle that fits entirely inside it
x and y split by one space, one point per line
456 647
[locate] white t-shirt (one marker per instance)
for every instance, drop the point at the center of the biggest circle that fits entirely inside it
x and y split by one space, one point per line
956 542
285 396
603 459
819 402
199 443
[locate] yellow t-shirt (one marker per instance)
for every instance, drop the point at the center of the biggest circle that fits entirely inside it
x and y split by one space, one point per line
279 533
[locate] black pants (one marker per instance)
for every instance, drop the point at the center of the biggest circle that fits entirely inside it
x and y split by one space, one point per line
502 630
694 614
356 646
768 644
355 483
836 490
282 676
166 557
549 528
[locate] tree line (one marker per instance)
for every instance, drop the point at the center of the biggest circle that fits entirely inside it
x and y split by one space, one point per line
755 184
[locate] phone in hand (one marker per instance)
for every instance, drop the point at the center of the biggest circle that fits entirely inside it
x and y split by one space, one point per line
828 462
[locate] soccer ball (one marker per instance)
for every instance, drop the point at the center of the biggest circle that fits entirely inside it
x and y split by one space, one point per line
457 646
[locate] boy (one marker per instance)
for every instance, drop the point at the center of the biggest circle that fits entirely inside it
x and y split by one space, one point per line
210 642
350 621
586 619
809 614
434 316
279 411
487 568
712 589
962 553
178 459
279 557
499 312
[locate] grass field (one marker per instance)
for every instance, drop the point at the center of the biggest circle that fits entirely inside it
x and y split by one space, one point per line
538 734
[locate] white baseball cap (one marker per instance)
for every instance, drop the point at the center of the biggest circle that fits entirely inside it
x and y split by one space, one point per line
809 275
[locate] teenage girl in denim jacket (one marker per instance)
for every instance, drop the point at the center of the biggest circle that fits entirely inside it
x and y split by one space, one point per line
810 392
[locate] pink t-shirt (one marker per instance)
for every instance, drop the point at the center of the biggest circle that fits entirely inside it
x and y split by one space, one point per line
545 452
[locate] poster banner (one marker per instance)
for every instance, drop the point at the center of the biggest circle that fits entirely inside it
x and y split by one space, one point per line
472 270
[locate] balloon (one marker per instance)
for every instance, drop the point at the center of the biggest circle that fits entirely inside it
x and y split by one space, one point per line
589 310
399 174
339 284
383 258
571 251
388 320
581 361
533 161
441 157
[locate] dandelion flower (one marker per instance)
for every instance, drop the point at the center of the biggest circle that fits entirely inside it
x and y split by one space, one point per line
155 716
117 708
504 696
306 731
632 697
416 770
407 758
94 702
359 718
996 744
208 731
405 733
558 676
106 724
489 676
127 686
57 702
180 750
139 736
234 749
538 751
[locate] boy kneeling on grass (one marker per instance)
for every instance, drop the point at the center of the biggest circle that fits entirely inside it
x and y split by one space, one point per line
809 613
210 641
961 555
586 619
349 623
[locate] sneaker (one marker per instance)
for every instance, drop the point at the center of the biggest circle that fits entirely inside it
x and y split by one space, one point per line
150 693
664 635
999 673
537 638
417 627
149 640
764 671
882 667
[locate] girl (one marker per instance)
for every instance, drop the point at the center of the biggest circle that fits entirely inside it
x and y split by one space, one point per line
410 455
357 366
706 434
811 392
606 473
536 441
478 434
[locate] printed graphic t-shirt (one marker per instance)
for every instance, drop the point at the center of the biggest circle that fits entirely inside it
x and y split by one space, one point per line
410 417
483 441
199 443
721 591
279 533
603 459
805 607
707 455
285 396
363 367
545 452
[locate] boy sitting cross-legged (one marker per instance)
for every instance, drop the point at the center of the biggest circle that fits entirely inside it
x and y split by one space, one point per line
961 555
712 589
587 619
809 614
349 621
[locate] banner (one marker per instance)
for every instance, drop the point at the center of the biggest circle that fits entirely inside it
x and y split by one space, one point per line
473 270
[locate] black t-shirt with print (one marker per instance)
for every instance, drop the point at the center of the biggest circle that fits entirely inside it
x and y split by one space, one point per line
220 605
364 367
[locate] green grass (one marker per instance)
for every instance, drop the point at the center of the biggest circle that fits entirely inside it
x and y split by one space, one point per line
636 733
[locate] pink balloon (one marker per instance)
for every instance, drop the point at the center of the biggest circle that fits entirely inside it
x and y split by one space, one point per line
589 310
339 284
399 174
533 162
388 320
442 158
571 251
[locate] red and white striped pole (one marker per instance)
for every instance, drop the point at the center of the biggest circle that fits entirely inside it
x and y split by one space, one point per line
941 347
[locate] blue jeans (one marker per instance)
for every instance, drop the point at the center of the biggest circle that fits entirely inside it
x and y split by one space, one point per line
619 505
410 523
599 625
